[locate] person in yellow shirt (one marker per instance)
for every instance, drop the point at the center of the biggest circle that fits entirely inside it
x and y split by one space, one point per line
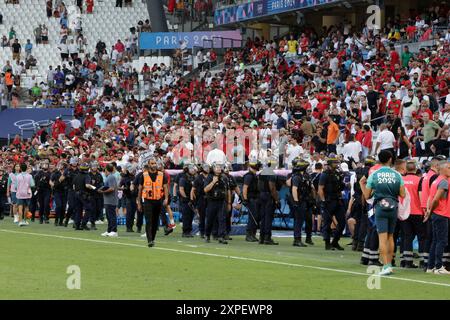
292 47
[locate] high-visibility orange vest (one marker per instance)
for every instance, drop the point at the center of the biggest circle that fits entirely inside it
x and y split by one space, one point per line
153 190
8 79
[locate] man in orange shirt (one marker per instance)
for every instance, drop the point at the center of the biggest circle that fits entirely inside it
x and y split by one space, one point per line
332 135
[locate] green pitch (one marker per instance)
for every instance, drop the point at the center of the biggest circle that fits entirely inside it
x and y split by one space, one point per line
34 262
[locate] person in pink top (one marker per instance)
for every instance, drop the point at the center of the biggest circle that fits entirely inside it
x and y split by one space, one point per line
11 191
24 184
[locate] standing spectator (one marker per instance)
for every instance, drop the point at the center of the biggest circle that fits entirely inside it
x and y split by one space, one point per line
431 131
38 34
333 134
11 35
385 140
16 50
89 6
44 34
119 3
24 183
80 5
49 7
28 48
110 201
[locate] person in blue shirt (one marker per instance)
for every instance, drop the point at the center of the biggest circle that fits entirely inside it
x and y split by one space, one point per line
28 48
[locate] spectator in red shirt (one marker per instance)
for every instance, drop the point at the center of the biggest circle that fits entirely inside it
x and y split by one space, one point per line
119 46
394 105
394 56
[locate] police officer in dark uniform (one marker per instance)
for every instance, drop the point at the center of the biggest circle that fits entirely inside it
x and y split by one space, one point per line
43 192
127 177
218 201
96 198
359 207
82 197
69 174
3 189
185 184
250 200
303 195
269 201
331 185
198 197
234 189
59 185
134 186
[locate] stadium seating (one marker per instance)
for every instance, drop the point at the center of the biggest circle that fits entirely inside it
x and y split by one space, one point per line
107 23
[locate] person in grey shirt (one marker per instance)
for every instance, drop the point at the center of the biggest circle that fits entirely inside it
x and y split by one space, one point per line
110 200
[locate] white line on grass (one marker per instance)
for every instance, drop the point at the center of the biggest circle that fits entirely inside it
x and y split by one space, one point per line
226 256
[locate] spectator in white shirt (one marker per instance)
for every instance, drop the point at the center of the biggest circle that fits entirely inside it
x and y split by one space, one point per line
410 104
352 149
385 140
293 151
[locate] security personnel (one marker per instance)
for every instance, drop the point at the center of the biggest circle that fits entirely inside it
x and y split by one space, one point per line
43 192
69 174
126 180
3 189
359 207
218 201
176 180
134 187
154 192
234 189
302 191
413 226
269 200
185 185
96 198
82 197
59 186
331 185
198 197
250 200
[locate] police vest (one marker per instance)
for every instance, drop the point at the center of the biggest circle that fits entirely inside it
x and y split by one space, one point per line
263 183
304 187
153 190
188 187
333 186
252 191
219 191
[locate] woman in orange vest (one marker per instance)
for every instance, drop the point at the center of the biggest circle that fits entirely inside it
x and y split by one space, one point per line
154 192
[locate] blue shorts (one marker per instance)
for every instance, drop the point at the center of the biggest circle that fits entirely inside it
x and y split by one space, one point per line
23 202
13 198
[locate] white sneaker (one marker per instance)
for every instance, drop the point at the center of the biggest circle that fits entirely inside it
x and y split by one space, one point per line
26 222
105 234
386 271
113 234
16 218
430 270
442 270
70 221
144 235
99 222
22 224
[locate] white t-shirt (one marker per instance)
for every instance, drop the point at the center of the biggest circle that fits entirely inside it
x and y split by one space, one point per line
293 152
386 139
352 150
75 123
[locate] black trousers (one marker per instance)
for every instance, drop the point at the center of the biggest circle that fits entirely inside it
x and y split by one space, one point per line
253 210
412 227
44 203
188 216
3 201
309 221
215 210
33 206
111 217
359 213
201 208
119 3
97 208
299 218
152 211
131 211
60 205
428 240
267 209
370 252
139 218
81 203
333 208
70 205
398 234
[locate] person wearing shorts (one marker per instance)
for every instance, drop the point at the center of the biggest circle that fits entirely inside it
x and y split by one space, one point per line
11 191
385 185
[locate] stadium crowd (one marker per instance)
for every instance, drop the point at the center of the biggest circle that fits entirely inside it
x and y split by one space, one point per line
313 101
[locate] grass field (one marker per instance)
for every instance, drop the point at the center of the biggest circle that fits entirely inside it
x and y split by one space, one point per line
34 261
